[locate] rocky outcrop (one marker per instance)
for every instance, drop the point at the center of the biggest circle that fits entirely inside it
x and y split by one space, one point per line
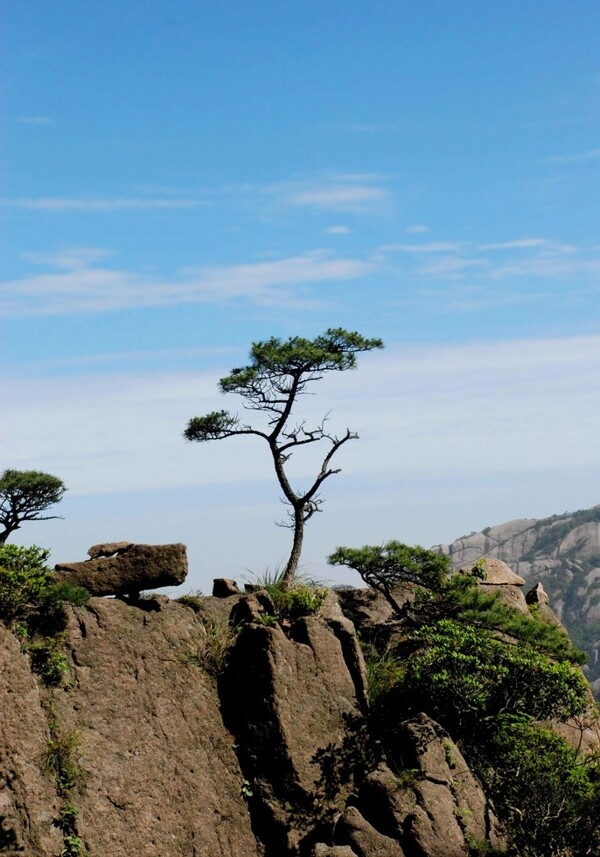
272 755
121 568
563 553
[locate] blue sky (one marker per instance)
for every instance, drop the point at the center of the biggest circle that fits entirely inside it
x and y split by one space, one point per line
179 179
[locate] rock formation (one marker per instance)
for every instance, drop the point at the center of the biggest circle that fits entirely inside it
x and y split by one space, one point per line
174 753
563 553
122 568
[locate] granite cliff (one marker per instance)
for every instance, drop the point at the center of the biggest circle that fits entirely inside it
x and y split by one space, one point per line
171 733
563 553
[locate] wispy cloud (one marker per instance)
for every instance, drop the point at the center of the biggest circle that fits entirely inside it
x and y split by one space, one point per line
520 244
352 197
425 248
36 120
83 205
418 229
353 193
77 285
573 157
337 230
479 408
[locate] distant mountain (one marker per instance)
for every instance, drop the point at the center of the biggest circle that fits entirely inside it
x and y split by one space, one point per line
563 553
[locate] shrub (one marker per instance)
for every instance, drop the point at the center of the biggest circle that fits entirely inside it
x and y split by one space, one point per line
461 674
547 792
24 580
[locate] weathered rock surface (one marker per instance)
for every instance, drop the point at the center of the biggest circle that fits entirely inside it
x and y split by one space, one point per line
129 572
160 772
28 800
108 549
271 758
441 809
292 705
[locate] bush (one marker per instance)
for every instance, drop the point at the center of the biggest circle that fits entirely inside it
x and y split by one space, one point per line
547 792
25 581
461 675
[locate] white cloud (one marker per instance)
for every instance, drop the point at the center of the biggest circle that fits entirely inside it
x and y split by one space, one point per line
88 205
426 247
468 409
519 244
80 287
341 197
418 229
337 230
574 157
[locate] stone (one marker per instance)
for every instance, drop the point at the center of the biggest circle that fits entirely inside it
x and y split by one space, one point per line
249 607
160 773
494 572
365 841
537 595
108 549
223 587
293 707
28 800
444 806
139 567
322 850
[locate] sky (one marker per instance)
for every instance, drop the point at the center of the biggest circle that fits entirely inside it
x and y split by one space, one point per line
181 178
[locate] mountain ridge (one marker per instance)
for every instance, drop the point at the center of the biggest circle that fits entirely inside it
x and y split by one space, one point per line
560 551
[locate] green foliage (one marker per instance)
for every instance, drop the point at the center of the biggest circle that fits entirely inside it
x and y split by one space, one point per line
278 373
384 672
461 675
67 817
216 639
24 580
302 599
193 600
246 790
47 660
460 598
24 495
546 790
61 759
385 566
27 590
73 846
268 619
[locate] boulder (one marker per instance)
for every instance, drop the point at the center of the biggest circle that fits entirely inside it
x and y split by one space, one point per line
108 549
354 830
137 568
493 572
223 587
441 807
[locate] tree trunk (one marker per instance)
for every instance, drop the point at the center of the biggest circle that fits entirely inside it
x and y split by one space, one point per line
292 564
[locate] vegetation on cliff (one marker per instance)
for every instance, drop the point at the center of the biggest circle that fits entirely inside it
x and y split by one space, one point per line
491 676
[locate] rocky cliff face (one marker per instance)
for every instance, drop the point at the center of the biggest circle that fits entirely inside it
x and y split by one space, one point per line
149 747
563 553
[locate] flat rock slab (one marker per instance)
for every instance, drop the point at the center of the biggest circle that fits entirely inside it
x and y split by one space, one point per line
139 567
108 549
